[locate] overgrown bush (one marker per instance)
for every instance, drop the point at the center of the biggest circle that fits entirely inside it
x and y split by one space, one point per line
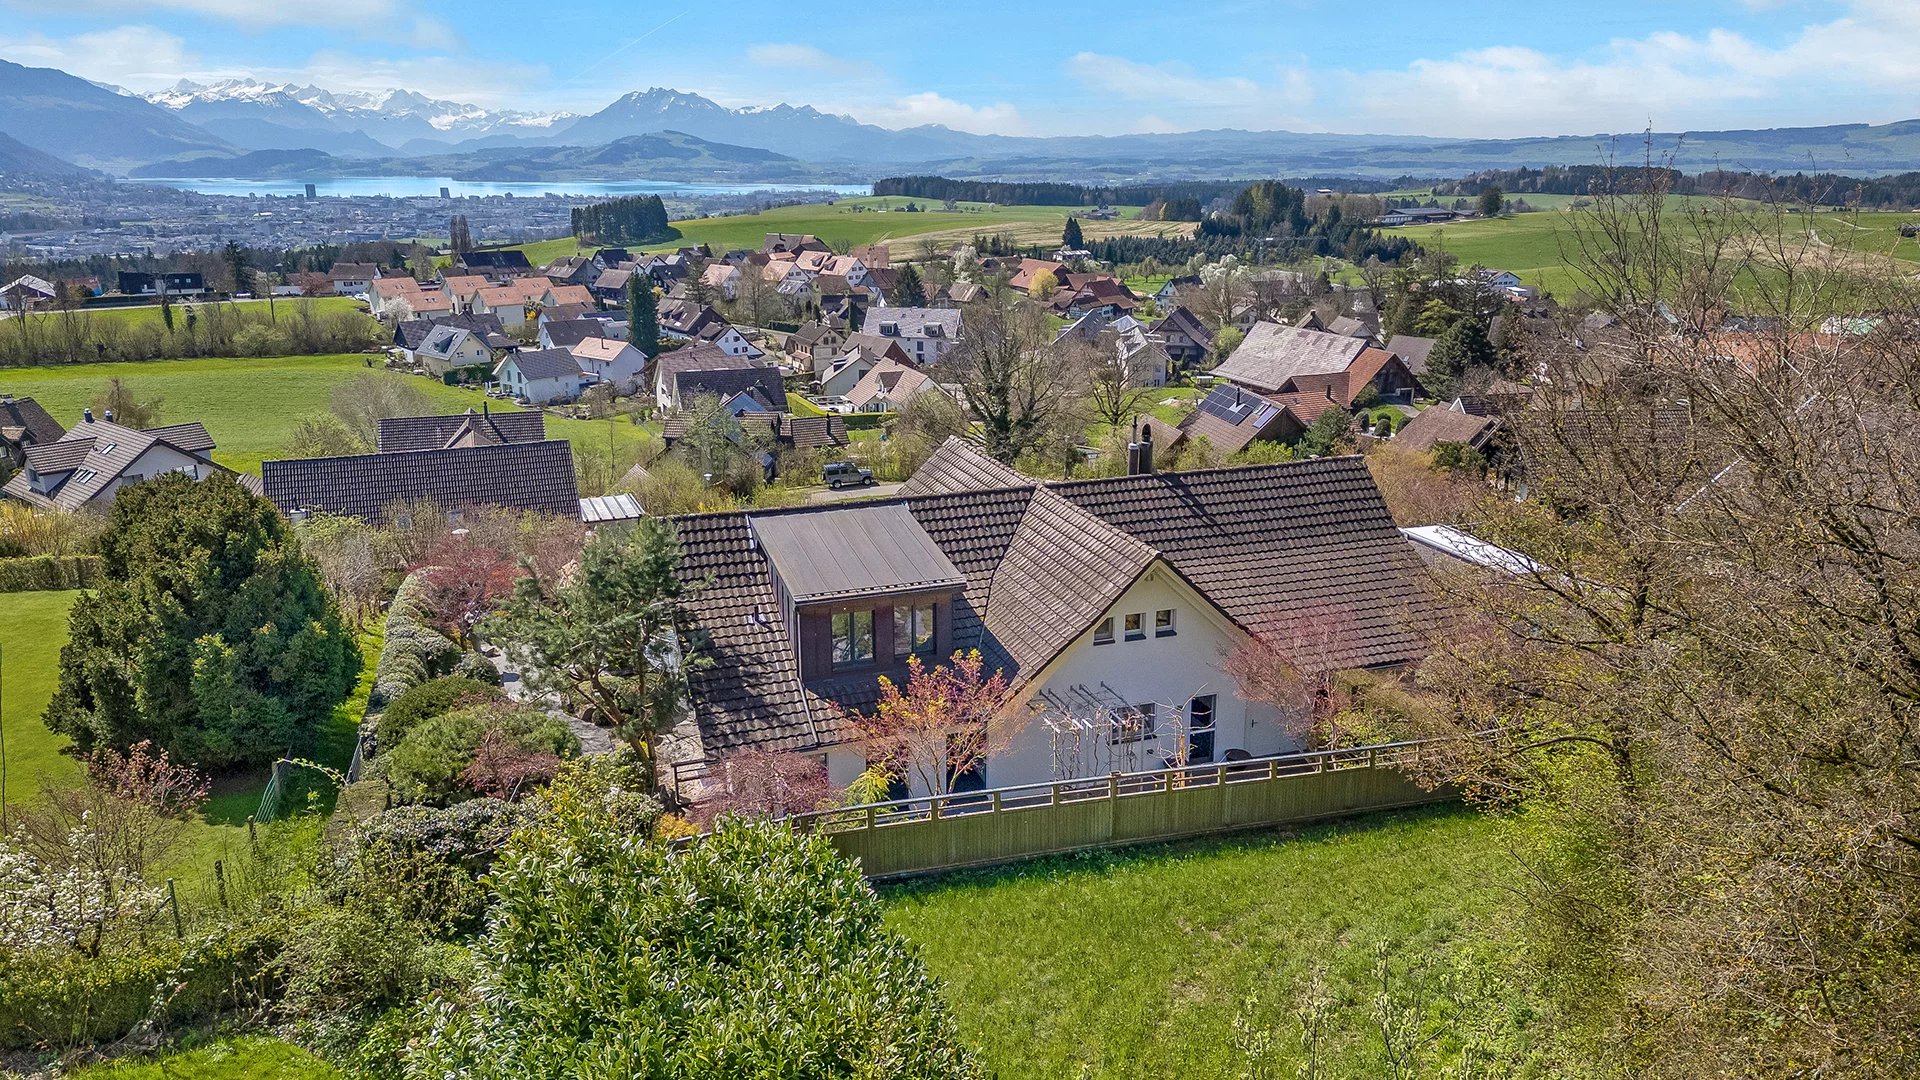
428 764
27 530
424 863
429 699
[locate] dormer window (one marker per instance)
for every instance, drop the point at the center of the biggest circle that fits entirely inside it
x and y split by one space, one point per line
852 638
912 631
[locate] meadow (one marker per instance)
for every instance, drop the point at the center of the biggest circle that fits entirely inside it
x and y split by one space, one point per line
249 406
876 219
247 1058
1136 963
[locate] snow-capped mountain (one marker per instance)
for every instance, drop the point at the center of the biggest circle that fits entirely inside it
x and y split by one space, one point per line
259 115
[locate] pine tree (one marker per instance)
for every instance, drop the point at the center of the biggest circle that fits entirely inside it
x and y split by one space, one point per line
643 315
1459 351
908 289
1071 237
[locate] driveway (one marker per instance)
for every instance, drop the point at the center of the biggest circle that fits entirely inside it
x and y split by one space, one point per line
876 491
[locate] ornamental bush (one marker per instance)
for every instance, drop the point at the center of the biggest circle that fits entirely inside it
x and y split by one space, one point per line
435 697
427 765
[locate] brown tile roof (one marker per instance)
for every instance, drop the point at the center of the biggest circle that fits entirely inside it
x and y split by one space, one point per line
955 466
1441 424
535 476
1273 355
23 422
406 433
97 453
1041 562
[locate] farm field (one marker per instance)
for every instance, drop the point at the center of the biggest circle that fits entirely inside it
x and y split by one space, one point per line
1135 963
133 315
874 219
250 405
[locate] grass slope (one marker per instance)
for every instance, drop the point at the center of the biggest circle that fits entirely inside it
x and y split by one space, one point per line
250 406
31 633
874 219
1134 964
248 1058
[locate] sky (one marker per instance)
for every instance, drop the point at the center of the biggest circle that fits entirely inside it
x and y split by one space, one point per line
1019 68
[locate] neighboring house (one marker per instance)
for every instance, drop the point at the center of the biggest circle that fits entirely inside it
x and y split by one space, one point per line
408 336
498 265
1231 418
399 434
530 476
1497 280
1170 292
133 283
1023 275
818 340
839 375
565 296
542 376
23 425
1416 215
698 370
1292 360
961 293
420 302
610 361
723 277
510 301
1446 424
86 466
611 257
887 386
571 270
27 292
787 278
1109 606
925 333
1412 351
567 333
610 287
352 279
791 243
1184 336
448 347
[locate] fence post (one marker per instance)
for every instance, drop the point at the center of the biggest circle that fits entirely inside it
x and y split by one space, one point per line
220 881
173 898
1113 786
253 838
869 817
996 800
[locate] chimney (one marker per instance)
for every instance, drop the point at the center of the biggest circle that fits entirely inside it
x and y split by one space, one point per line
109 416
86 416
1140 451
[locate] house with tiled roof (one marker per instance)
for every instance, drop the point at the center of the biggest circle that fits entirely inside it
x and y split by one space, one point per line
24 424
1277 359
542 376
1107 604
400 434
411 334
94 459
609 360
777 243
449 347
1446 424
924 333
699 370
352 279
500 265
531 476
887 386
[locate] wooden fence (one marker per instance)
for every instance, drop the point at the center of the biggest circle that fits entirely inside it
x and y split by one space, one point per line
981 828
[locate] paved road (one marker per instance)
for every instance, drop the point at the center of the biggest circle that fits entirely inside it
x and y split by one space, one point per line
877 491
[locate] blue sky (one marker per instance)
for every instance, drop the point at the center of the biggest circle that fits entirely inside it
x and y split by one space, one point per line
1550 67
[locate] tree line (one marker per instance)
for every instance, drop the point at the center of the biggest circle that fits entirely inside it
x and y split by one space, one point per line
1818 189
631 219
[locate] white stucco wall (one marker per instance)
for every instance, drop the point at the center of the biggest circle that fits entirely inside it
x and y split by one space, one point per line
157 461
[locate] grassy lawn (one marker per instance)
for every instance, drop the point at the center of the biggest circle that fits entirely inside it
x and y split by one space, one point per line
875 219
1134 964
31 634
248 1058
250 406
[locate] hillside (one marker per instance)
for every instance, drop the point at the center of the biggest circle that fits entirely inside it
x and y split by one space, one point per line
74 120
17 158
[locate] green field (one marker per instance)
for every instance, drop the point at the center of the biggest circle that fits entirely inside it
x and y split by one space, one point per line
248 1058
1134 964
864 220
136 314
250 405
31 634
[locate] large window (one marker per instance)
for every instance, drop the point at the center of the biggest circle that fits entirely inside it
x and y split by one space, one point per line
852 638
912 631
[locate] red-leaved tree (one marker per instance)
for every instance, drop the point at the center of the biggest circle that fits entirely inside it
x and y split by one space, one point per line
768 784
502 767
941 724
466 574
1292 664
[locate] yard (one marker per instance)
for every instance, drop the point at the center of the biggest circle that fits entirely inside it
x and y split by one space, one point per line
250 406
249 1058
1135 963
31 635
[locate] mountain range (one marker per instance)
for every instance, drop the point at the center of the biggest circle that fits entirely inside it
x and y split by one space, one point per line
235 124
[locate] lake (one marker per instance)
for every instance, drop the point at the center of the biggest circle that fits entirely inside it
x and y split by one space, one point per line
408 186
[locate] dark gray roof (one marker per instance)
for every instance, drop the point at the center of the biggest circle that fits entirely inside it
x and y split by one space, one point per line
412 333
1413 350
24 422
406 433
726 382
536 476
97 453
570 332
1040 562
545 364
859 551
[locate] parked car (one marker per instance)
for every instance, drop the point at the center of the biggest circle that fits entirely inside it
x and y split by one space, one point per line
833 404
845 474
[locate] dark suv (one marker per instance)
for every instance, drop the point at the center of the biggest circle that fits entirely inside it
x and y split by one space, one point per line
842 474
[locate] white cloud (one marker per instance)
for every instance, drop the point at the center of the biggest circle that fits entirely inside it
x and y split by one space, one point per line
1210 101
792 56
385 20
928 107
137 57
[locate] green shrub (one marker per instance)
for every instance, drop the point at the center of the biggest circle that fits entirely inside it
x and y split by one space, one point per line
413 651
427 764
473 666
424 863
38 573
426 700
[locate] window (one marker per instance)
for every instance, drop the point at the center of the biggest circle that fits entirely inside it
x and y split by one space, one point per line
1103 631
1133 724
1163 623
85 475
852 638
1200 730
912 631
1137 626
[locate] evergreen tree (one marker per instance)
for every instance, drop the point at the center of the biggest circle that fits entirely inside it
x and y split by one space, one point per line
909 291
643 315
235 257
1071 236
1460 351
211 635
1492 201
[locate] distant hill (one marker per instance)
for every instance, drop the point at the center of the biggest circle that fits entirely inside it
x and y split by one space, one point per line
666 155
75 120
19 159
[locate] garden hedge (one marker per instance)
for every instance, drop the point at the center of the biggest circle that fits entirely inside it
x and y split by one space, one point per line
41 573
